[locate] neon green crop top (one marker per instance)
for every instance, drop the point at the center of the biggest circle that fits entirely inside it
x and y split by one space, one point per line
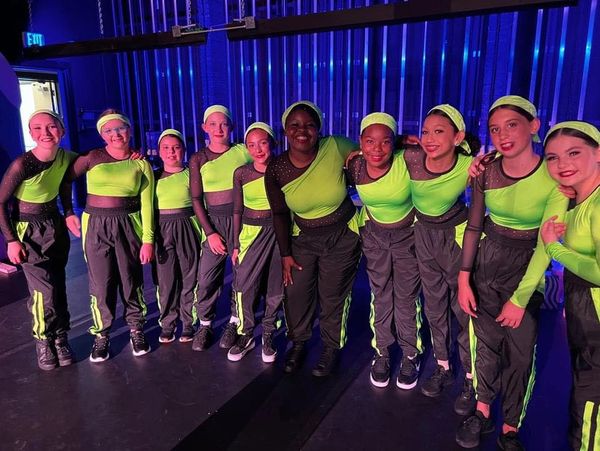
173 191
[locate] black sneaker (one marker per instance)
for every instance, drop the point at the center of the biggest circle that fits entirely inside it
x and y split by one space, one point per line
229 336
268 350
409 373
466 401
326 361
64 353
244 344
100 349
187 335
440 378
295 357
380 371
139 345
46 358
166 336
510 442
202 339
470 430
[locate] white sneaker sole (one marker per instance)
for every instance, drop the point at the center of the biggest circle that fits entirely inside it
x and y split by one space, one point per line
99 360
268 358
406 386
379 384
237 357
166 340
139 353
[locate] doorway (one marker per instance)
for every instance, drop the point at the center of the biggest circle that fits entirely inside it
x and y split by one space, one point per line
39 90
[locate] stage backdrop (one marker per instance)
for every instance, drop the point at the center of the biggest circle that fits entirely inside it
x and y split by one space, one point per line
551 56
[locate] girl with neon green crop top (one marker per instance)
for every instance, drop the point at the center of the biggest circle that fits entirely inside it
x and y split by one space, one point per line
117 231
572 154
500 273
36 234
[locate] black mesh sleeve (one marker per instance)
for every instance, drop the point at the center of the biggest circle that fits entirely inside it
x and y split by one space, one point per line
14 175
353 170
238 206
77 168
474 224
281 213
197 194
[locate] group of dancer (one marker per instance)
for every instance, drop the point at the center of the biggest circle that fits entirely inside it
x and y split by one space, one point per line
295 237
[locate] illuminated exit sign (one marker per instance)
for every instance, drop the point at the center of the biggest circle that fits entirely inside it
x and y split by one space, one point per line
31 39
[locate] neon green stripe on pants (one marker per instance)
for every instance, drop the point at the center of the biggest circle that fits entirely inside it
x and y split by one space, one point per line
530 384
37 310
96 316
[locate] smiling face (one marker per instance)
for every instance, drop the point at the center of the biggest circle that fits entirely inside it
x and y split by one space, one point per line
171 152
572 161
218 128
302 131
377 145
45 130
439 137
258 143
116 134
511 132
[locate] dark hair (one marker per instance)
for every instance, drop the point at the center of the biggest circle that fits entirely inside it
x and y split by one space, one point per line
472 140
516 109
573 133
108 111
443 114
312 113
272 142
474 143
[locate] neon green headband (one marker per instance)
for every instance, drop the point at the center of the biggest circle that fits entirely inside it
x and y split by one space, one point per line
457 119
171 132
262 126
583 127
111 117
520 102
217 109
49 113
379 118
307 103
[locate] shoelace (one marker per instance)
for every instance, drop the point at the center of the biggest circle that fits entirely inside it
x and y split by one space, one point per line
100 344
138 339
231 329
203 332
407 367
381 363
62 348
47 353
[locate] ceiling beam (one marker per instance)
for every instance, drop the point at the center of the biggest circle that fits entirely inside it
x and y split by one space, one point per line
411 11
120 44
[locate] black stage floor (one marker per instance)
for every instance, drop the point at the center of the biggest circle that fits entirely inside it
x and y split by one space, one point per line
177 398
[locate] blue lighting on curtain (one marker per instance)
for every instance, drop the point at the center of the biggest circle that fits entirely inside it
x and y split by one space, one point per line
465 60
511 59
402 76
559 66
384 67
403 69
586 63
440 98
536 51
